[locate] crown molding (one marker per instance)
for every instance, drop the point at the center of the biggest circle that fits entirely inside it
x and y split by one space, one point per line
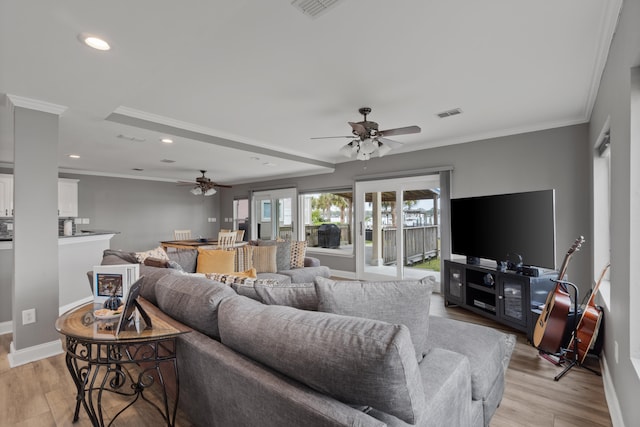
36 104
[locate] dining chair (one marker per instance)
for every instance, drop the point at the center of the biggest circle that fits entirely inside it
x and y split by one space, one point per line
239 235
226 240
181 234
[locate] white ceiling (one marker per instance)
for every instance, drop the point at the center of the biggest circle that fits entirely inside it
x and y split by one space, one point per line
242 85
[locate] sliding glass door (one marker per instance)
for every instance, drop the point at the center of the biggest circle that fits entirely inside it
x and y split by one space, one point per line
273 214
398 228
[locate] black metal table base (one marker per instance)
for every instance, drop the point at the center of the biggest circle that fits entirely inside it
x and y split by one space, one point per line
101 367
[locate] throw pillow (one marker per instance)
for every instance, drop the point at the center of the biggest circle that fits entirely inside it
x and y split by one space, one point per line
154 253
404 302
215 261
244 258
264 259
299 295
235 277
187 258
298 251
355 360
283 254
156 262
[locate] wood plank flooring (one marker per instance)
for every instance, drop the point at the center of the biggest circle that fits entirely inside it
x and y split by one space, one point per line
40 394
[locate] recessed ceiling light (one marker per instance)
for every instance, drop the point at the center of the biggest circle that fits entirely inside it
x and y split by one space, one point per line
74 156
255 158
137 169
167 161
167 140
269 164
94 41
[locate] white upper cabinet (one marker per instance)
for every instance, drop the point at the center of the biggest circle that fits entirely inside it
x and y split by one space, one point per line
67 197
6 196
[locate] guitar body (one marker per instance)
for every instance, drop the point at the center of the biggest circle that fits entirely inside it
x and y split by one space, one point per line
549 330
589 325
550 326
588 331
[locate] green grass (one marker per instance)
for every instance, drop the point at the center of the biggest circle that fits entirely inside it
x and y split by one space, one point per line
432 264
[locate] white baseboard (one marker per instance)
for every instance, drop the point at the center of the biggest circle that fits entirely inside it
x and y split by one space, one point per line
6 327
40 351
33 353
610 394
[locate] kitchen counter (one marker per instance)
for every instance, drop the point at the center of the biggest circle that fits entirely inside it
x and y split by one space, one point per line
6 241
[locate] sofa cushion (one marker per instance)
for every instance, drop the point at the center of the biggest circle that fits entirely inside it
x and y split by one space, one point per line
192 300
114 257
215 261
264 259
187 258
487 349
404 302
298 295
150 276
357 361
306 274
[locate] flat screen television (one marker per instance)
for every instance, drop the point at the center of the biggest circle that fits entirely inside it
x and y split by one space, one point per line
504 226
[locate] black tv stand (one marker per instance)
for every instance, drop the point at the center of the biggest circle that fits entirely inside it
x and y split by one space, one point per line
509 297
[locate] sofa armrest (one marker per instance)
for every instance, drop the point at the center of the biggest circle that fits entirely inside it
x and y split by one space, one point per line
311 262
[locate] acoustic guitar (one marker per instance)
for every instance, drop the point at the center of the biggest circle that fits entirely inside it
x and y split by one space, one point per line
550 326
589 325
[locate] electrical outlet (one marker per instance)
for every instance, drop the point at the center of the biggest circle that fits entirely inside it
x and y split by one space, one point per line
9 226
85 220
213 220
77 220
29 316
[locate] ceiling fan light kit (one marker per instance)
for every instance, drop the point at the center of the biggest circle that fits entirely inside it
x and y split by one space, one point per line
369 139
204 186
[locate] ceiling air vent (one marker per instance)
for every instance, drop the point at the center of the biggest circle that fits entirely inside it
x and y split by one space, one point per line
314 8
449 113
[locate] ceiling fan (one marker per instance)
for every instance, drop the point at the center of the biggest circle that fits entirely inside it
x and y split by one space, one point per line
368 139
203 185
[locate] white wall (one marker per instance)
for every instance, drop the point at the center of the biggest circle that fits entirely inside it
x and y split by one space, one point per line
553 158
613 102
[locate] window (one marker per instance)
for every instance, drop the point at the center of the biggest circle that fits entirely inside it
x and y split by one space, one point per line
602 209
327 221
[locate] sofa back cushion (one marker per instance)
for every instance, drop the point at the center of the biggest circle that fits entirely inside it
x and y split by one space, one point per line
298 295
404 302
357 361
186 258
192 300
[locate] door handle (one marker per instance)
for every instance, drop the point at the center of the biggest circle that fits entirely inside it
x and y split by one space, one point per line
361 228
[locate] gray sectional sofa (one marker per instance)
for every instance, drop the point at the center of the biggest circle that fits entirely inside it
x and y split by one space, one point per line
326 353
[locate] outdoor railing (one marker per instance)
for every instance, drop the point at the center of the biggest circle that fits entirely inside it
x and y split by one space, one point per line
420 244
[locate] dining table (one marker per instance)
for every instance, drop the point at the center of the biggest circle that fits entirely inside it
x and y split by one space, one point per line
195 243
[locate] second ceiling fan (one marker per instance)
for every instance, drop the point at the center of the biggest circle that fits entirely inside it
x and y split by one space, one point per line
368 139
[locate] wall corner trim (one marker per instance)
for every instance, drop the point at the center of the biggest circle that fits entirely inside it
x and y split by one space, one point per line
36 104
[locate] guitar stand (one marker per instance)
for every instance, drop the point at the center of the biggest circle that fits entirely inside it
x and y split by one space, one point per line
574 360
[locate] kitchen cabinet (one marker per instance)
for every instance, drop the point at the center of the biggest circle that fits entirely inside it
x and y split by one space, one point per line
6 196
67 197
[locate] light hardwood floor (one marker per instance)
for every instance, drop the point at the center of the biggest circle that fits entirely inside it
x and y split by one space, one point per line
40 394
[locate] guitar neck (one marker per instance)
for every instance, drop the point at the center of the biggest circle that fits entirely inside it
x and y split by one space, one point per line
597 286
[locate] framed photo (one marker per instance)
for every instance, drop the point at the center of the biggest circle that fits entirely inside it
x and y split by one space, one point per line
127 317
110 280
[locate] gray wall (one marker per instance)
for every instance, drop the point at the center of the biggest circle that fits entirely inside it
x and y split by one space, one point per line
553 158
614 101
143 212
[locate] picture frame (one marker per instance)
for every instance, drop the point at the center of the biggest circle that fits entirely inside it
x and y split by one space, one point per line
113 279
127 317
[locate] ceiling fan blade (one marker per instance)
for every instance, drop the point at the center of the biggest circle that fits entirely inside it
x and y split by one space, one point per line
358 129
400 131
221 185
186 183
329 137
390 142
